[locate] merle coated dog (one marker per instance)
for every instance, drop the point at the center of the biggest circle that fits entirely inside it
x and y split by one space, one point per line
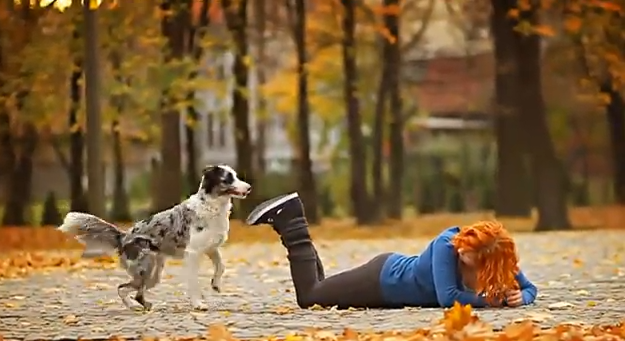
197 226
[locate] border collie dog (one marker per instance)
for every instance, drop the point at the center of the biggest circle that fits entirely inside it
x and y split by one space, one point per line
197 226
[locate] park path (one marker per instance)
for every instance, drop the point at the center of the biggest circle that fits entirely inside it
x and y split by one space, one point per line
580 275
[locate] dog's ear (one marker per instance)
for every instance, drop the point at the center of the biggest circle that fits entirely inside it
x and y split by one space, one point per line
211 178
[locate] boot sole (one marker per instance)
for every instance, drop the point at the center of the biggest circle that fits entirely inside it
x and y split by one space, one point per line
255 216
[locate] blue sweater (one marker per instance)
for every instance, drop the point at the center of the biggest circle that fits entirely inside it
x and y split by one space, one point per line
432 279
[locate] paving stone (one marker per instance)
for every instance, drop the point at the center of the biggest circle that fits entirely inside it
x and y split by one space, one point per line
585 269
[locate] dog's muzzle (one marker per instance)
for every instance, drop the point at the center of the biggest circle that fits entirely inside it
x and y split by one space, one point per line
240 191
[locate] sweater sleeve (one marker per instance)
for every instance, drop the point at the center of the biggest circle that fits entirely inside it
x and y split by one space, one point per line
444 266
528 289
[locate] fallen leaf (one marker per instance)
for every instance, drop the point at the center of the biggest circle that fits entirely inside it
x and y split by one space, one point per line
560 306
316 307
70 319
283 310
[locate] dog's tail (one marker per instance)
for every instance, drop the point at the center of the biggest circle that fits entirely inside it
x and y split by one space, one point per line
99 236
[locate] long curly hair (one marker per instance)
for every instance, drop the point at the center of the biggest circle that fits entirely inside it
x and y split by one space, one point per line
496 258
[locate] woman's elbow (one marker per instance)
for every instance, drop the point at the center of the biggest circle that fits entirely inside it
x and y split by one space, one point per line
446 301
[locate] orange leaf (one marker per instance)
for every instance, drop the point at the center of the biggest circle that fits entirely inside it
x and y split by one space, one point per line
386 10
514 13
608 6
572 24
544 30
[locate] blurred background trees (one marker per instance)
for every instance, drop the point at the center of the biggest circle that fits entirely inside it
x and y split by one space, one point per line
376 110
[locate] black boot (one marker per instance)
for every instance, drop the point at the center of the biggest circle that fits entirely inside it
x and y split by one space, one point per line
286 215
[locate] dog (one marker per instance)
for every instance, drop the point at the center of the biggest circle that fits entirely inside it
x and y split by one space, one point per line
197 226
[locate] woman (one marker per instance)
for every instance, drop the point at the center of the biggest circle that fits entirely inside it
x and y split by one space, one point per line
457 265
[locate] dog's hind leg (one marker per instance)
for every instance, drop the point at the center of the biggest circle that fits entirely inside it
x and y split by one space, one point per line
123 290
219 268
141 299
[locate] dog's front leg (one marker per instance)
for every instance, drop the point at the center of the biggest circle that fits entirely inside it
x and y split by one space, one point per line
192 264
218 267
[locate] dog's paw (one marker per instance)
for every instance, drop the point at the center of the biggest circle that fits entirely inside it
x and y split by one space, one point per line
199 305
147 306
216 285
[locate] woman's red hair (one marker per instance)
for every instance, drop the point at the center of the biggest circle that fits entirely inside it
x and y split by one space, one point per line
496 258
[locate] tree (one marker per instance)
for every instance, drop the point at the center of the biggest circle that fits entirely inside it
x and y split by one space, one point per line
236 20
74 165
396 125
513 196
308 185
95 171
599 45
19 136
358 188
173 27
260 11
197 31
548 175
121 203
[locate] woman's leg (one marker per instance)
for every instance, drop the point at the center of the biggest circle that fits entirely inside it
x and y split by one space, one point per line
358 287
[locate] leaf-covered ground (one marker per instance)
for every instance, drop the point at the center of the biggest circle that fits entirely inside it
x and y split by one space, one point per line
580 276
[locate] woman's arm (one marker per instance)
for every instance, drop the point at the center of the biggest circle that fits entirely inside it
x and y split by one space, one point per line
528 290
444 268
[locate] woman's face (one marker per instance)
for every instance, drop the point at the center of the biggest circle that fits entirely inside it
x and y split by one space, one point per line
467 257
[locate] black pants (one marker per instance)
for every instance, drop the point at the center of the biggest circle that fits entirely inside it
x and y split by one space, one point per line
358 287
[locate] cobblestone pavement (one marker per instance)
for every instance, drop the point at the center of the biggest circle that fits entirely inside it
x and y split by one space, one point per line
580 278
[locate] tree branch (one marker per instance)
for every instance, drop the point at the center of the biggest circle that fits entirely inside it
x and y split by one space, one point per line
59 153
51 4
416 38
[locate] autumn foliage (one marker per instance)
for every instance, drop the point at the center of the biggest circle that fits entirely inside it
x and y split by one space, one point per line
458 323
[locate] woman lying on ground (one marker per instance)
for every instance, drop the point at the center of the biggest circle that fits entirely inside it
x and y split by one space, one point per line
475 264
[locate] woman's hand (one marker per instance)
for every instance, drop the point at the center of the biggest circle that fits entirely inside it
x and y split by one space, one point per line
514 298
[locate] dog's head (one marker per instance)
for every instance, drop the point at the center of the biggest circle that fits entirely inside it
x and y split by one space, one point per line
221 180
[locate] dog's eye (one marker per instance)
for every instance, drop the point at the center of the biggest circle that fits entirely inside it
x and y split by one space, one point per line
229 178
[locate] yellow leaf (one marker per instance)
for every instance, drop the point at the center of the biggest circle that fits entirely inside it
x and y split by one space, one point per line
247 60
292 337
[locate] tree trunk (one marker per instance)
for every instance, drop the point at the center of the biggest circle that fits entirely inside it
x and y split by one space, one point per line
195 49
549 177
173 27
358 186
615 114
95 155
20 181
236 19
513 196
378 210
261 112
121 204
78 201
308 185
396 131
